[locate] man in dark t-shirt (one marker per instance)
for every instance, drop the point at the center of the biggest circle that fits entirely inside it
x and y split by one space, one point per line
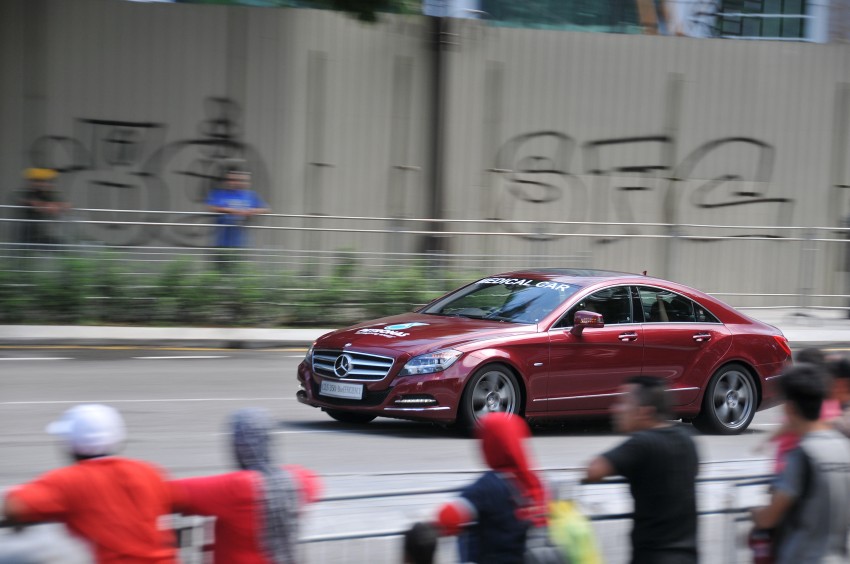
660 462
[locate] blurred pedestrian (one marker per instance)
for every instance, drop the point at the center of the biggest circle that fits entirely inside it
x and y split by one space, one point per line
112 502
839 368
420 543
257 507
41 202
810 502
785 438
660 462
237 204
494 515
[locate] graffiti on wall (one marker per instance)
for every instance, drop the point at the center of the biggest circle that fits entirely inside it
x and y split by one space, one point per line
632 180
127 166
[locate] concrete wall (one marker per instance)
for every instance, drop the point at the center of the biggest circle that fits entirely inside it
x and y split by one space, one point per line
336 118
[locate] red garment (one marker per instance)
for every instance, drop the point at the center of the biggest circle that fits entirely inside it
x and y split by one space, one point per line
114 503
502 442
233 499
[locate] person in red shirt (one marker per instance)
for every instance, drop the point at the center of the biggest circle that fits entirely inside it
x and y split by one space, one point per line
257 507
114 503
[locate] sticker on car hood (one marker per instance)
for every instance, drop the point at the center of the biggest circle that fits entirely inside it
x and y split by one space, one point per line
390 330
402 326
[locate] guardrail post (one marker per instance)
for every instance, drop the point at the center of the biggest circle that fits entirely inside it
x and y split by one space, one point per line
808 252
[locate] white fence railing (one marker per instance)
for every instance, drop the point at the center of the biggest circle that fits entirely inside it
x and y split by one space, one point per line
746 265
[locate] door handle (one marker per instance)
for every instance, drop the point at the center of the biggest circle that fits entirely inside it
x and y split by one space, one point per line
702 337
628 337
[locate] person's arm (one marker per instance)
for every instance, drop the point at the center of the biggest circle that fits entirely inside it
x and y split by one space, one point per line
258 206
43 499
771 515
619 461
206 495
599 469
13 510
309 483
214 203
454 515
788 487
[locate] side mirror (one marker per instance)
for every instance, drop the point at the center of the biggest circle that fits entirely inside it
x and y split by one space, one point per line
584 320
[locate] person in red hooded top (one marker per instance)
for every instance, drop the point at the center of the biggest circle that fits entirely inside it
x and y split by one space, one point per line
493 515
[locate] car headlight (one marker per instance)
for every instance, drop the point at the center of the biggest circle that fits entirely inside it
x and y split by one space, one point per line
308 358
430 363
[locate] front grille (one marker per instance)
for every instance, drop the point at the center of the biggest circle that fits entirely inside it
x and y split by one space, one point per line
362 366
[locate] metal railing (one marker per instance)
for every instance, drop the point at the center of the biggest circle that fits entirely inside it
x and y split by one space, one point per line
723 516
749 266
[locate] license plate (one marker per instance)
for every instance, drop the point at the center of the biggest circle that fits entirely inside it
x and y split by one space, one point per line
341 390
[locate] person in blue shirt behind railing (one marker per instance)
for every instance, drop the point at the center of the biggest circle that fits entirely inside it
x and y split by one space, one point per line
236 203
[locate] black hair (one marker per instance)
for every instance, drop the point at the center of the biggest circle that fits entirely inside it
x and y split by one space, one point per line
420 543
651 393
838 367
82 457
811 355
805 387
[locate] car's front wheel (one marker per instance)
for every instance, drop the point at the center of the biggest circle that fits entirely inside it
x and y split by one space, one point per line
492 389
729 403
350 417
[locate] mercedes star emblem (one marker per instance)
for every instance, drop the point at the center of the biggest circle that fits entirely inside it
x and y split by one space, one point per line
342 366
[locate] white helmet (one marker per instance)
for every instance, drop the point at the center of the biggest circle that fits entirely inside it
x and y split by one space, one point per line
90 429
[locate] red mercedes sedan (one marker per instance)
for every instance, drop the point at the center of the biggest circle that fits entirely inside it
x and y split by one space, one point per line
549 344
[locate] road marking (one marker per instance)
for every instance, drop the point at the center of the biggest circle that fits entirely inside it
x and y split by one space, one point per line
178 357
766 424
39 358
165 400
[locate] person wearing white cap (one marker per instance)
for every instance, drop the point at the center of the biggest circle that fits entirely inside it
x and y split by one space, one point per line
112 502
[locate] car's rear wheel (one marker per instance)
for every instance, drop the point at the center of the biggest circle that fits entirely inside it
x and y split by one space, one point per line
350 417
729 403
492 389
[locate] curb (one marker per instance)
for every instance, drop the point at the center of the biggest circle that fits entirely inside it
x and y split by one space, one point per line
102 336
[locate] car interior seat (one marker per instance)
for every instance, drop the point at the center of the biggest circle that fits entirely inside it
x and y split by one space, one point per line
658 312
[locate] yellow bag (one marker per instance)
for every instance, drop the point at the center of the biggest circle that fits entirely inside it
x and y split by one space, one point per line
573 532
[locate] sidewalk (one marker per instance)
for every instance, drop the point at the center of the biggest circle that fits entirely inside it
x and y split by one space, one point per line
814 327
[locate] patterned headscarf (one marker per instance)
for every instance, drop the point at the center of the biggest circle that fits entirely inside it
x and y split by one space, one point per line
251 443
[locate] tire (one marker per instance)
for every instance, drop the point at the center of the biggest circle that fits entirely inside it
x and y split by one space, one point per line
350 416
729 404
492 388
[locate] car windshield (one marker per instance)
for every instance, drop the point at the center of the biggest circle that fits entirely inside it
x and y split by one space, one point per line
514 300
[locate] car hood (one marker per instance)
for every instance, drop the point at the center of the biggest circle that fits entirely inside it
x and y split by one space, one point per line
416 333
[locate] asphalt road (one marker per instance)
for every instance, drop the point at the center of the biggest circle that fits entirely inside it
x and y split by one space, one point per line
176 403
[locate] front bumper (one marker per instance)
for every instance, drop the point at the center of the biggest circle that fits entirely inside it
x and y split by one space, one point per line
429 397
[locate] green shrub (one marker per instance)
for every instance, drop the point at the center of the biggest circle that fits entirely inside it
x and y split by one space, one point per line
104 289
